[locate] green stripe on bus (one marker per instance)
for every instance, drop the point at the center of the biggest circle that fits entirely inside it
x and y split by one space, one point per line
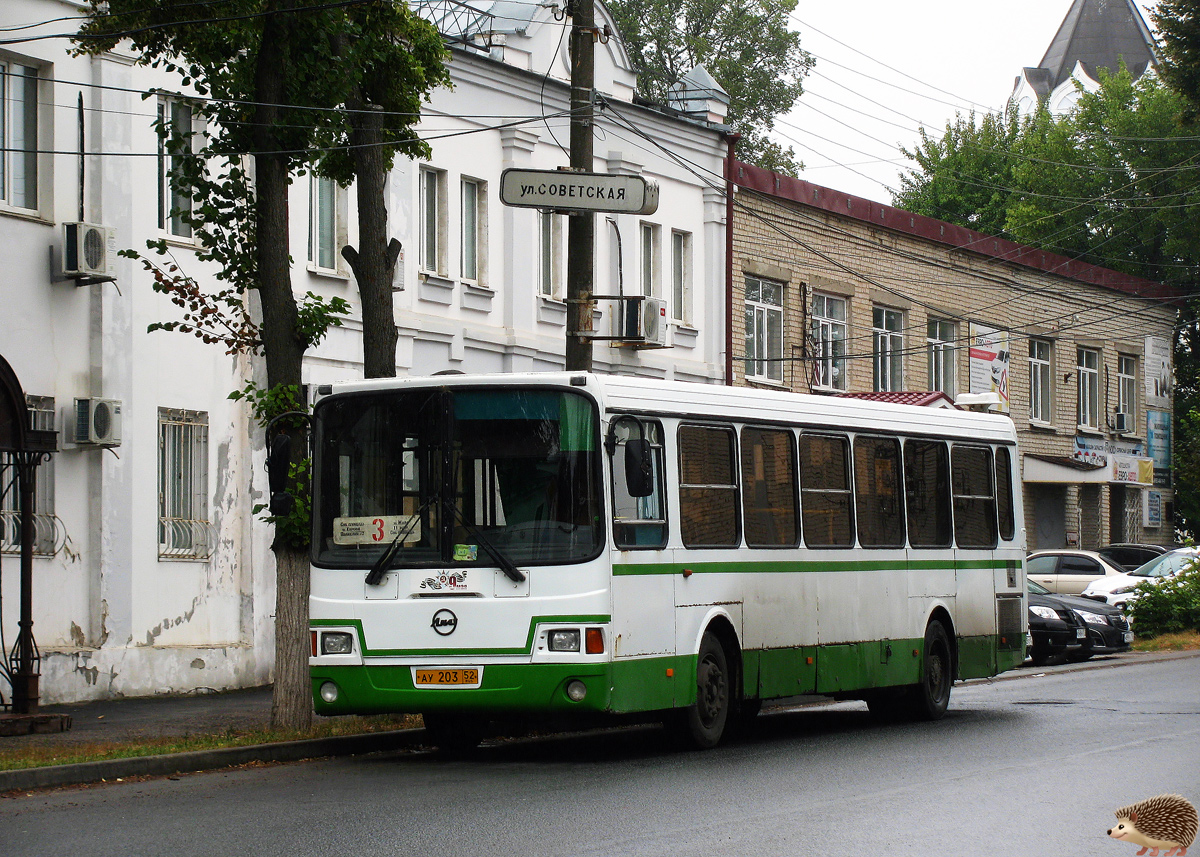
596 619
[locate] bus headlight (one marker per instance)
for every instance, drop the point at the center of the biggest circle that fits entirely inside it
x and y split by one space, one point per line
576 690
329 692
336 643
563 641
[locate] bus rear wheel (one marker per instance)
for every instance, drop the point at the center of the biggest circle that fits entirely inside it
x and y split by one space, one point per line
704 721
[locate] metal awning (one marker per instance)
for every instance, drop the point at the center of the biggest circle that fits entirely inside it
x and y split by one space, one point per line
1063 469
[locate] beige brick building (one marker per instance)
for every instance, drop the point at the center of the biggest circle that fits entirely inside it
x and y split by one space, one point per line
843 295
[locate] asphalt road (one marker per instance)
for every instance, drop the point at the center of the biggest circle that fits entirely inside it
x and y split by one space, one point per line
1026 766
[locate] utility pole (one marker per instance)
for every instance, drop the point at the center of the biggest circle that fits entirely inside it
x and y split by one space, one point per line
581 229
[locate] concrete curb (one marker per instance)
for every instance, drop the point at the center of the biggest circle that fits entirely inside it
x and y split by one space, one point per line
207 760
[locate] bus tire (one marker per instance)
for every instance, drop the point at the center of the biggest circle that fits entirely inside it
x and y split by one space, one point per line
930 698
705 720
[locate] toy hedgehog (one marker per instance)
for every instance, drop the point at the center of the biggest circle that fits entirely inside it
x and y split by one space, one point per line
1166 821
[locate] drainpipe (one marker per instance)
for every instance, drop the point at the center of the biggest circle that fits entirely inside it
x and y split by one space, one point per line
732 139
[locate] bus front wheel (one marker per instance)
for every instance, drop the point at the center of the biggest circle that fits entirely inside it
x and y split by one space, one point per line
931 697
704 721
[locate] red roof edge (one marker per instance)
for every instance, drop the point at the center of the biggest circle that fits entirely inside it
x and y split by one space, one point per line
897 219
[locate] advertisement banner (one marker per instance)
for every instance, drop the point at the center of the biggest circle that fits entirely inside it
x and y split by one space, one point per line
1152 509
989 362
1160 378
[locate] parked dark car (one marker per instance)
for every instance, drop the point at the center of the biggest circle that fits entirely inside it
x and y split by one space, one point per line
1130 556
1073 628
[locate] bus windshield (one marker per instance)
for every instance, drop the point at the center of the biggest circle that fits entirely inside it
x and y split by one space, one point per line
454 476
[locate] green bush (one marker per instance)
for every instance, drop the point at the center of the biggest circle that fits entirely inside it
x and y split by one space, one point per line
1169 606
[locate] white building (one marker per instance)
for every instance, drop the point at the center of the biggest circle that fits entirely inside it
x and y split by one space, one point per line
1095 34
152 575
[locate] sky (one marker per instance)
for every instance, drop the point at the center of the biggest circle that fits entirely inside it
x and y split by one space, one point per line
884 68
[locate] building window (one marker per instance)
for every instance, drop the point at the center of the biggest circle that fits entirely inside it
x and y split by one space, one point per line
764 330
940 344
550 255
45 530
888 349
1088 371
1039 381
325 222
1127 390
19 135
433 221
175 130
681 277
651 256
473 237
829 342
184 531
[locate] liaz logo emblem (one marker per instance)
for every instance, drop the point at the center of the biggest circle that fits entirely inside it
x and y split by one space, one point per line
444 622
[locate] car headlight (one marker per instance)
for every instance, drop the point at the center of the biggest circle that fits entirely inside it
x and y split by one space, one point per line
1092 618
1044 612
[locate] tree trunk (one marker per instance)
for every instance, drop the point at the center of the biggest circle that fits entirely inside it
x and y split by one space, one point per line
284 351
372 263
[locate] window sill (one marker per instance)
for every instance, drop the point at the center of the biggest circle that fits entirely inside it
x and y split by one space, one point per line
552 311
328 273
1090 431
1045 428
477 297
435 288
683 335
23 214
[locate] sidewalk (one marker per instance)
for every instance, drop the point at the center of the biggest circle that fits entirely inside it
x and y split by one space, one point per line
132 720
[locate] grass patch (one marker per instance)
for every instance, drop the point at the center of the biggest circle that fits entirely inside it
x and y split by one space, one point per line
40 756
1182 641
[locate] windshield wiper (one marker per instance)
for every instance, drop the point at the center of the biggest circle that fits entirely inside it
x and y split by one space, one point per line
381 566
506 565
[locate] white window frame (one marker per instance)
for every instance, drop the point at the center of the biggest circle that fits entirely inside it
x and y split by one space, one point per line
327 214
20 120
829 334
473 230
1087 373
1127 366
433 221
941 336
45 528
550 259
764 331
184 530
681 277
1041 381
887 349
172 113
650 245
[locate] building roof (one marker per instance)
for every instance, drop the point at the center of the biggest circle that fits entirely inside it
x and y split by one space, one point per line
922 398
949 234
1098 34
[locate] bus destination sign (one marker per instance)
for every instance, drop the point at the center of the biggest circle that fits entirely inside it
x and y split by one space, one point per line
565 190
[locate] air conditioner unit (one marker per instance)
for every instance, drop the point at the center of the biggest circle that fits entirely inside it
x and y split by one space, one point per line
645 322
88 250
98 422
1120 422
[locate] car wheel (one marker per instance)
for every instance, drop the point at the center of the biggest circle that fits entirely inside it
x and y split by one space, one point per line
930 698
704 721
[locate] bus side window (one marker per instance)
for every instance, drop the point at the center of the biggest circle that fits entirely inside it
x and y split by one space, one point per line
927 493
974 496
877 492
769 486
1004 494
638 521
825 491
708 491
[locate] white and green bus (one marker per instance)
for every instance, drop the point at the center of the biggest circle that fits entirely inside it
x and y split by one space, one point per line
567 544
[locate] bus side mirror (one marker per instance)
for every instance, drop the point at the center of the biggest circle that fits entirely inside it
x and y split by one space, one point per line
639 468
279 460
